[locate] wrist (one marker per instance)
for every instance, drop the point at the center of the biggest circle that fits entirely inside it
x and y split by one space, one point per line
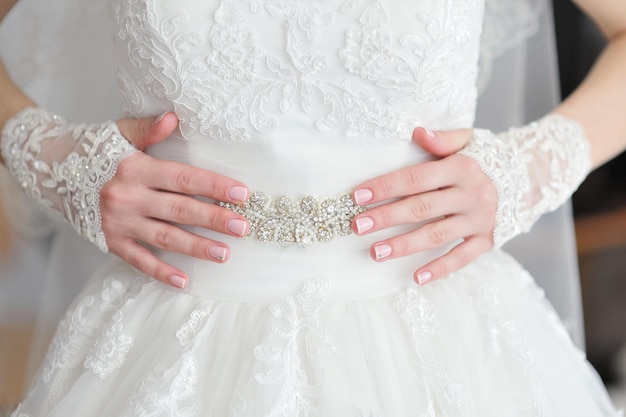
535 169
64 166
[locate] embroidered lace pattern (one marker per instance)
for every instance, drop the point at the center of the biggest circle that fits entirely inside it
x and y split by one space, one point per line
505 339
419 315
534 168
305 222
92 333
225 83
179 381
296 325
64 166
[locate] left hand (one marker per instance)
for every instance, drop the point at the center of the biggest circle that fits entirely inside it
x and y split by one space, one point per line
453 195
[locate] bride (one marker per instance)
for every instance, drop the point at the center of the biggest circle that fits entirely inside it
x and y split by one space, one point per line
264 302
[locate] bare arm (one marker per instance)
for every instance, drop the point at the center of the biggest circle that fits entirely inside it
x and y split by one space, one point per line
5 7
12 99
599 104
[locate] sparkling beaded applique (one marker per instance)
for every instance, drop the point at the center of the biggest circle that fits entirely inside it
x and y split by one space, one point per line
305 222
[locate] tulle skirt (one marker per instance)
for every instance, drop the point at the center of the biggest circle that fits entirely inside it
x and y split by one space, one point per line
315 340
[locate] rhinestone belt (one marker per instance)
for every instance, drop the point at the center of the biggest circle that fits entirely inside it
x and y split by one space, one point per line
303 222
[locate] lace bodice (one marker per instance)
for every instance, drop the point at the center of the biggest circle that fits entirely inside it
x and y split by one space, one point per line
239 70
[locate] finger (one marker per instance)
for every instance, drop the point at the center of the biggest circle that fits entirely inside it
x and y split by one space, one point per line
459 257
442 142
148 131
171 238
430 236
175 177
186 179
177 208
413 209
145 261
415 179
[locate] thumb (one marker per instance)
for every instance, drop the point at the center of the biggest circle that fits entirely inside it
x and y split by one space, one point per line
442 142
149 130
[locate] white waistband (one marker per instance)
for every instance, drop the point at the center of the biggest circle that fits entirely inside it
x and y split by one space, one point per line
304 166
259 271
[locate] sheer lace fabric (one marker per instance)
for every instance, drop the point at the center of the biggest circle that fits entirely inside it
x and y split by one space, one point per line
63 166
535 169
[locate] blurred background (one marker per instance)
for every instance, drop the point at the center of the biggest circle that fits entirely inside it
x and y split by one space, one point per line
600 218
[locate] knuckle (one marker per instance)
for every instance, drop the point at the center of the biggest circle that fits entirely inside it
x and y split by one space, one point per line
111 196
184 181
385 218
124 168
404 247
438 234
421 209
179 210
384 188
139 262
439 268
463 258
163 237
415 179
466 163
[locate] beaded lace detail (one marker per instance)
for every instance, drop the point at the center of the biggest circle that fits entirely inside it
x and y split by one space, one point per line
64 166
535 169
305 222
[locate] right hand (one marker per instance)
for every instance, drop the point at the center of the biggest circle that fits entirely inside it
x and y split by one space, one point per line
146 196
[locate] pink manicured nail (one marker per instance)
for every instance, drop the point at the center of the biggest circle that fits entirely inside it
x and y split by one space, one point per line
237 227
364 224
177 281
424 277
363 196
430 133
218 252
382 251
238 193
158 119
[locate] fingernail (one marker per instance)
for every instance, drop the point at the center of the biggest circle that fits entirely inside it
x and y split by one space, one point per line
364 224
238 193
158 119
218 253
237 227
177 281
424 277
382 251
363 196
429 133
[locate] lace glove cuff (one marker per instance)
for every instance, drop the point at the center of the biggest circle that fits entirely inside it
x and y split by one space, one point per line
64 166
535 169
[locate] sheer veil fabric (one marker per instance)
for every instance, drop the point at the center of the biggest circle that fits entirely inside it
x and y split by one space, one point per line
60 53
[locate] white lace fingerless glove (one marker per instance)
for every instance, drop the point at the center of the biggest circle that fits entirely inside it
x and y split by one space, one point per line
535 169
64 166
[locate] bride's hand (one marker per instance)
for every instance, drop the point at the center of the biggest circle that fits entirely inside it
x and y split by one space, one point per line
452 194
147 195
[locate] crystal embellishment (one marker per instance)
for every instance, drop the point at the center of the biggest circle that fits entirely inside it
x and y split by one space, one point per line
303 222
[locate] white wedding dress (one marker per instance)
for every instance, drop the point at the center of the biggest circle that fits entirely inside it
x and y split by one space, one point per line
302 100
